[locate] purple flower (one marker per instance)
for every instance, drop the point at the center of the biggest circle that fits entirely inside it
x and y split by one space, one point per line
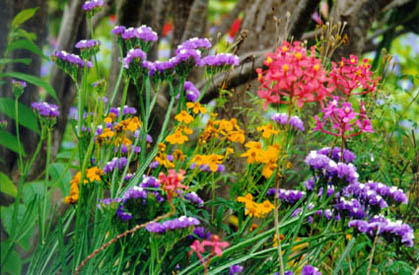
288 196
351 208
69 58
107 202
390 230
348 156
194 43
134 193
366 195
193 197
115 163
185 55
124 216
134 55
234 269
219 60
86 44
19 83
392 193
93 4
149 66
310 270
181 222
143 33
294 121
192 93
155 228
201 232
118 30
149 182
45 109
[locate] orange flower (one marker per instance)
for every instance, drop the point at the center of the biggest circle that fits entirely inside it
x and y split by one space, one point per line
196 107
267 130
184 117
177 138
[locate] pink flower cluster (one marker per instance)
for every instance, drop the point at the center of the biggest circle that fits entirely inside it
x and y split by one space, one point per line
293 74
343 120
214 243
349 75
172 182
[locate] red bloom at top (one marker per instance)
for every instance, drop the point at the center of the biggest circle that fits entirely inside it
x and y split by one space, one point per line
172 182
293 75
349 75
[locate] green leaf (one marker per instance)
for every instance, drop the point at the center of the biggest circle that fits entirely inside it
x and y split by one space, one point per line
27 45
21 33
34 80
27 118
10 141
7 186
26 61
13 264
32 190
22 17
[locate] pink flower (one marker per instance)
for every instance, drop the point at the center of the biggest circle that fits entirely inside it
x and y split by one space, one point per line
343 120
172 182
216 245
349 75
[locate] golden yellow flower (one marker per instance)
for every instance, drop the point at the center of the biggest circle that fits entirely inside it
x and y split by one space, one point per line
177 138
267 130
184 117
196 107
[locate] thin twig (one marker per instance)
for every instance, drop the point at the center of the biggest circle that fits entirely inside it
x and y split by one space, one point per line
372 252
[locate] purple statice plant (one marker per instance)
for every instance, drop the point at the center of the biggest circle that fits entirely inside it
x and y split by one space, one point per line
170 225
46 110
217 63
293 121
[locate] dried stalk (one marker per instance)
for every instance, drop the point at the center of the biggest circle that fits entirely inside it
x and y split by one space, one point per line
124 234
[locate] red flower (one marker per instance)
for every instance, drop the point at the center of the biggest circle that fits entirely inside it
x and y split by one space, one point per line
216 245
293 74
172 182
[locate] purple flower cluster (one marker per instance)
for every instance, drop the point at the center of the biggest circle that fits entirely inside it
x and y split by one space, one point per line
288 196
348 156
181 222
200 232
143 33
124 216
185 55
115 163
223 59
45 109
351 208
150 182
330 168
134 193
86 44
235 269
283 119
93 5
310 270
134 54
192 93
388 229
70 58
124 149
194 43
366 195
193 197
391 194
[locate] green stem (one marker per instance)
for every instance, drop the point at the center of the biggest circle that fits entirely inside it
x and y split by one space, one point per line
118 81
44 206
20 160
91 36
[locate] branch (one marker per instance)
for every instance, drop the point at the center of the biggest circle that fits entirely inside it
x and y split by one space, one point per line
301 17
241 75
228 21
194 25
